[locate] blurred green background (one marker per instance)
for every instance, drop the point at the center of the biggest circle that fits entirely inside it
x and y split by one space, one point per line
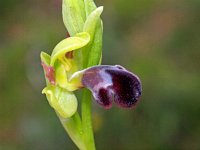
157 39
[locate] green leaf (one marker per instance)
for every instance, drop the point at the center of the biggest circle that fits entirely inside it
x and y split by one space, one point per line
92 52
69 44
73 12
89 6
95 53
92 19
63 101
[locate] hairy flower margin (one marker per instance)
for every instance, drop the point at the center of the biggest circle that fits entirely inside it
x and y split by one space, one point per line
74 64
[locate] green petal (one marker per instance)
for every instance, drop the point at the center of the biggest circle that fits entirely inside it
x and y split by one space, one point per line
69 44
63 101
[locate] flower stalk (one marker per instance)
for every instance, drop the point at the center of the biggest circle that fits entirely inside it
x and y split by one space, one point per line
75 64
73 127
87 120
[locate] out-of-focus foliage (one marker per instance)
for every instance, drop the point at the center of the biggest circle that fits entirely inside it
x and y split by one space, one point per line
158 40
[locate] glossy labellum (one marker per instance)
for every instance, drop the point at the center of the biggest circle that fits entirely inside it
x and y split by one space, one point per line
112 83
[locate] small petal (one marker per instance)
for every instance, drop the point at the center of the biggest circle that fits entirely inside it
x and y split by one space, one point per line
48 70
49 73
109 83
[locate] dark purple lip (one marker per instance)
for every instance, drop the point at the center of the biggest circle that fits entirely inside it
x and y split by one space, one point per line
112 83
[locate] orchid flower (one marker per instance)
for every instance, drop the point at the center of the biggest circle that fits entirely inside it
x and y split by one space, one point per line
74 64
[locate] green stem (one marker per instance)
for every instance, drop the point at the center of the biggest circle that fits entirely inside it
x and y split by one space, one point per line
74 129
87 120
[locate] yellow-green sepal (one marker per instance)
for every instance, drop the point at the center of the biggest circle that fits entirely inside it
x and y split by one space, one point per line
64 102
69 44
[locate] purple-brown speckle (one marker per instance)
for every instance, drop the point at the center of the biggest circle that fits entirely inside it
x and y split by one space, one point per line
69 55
